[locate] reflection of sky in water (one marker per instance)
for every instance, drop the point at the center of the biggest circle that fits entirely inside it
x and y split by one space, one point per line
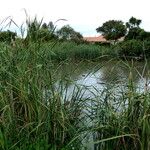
113 80
90 79
143 85
93 84
113 75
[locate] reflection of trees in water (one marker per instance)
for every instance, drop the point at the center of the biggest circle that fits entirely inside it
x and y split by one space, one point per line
74 70
118 72
113 72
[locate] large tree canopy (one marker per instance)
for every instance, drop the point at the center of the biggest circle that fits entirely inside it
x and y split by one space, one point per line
112 30
134 30
133 23
68 33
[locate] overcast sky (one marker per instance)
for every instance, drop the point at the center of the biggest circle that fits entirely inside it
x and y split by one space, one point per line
83 15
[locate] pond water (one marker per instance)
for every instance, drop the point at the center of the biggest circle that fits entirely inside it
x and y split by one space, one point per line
98 76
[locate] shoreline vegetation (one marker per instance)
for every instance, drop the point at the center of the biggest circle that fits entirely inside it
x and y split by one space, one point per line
35 114
120 40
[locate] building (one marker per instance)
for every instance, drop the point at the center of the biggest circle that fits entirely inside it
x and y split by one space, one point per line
101 40
98 39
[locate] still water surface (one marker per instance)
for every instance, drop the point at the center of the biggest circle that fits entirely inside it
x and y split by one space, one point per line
105 75
96 77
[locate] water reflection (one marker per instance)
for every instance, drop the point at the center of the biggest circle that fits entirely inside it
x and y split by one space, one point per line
104 74
98 77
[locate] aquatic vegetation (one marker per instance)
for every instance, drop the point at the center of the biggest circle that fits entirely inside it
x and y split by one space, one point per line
36 112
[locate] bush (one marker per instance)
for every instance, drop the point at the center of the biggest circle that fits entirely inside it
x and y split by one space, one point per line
7 36
131 48
146 47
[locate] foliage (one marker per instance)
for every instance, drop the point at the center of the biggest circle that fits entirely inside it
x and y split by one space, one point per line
112 30
36 112
36 30
68 33
134 31
39 111
146 48
69 50
133 23
144 35
131 48
7 36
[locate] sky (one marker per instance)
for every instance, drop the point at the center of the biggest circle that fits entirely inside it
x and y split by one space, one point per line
83 15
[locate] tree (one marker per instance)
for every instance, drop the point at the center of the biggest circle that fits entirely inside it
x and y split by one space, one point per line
68 33
47 32
133 28
36 30
133 23
7 36
144 35
112 29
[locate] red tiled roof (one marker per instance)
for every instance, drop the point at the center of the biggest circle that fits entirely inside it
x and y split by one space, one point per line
95 39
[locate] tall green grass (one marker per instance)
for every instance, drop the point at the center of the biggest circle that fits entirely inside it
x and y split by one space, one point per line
36 112
60 51
121 118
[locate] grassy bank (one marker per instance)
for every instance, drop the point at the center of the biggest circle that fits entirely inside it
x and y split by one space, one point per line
33 114
60 51
67 50
36 113
56 50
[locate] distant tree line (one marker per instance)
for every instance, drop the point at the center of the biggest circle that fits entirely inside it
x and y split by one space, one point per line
46 32
39 31
135 43
115 29
136 40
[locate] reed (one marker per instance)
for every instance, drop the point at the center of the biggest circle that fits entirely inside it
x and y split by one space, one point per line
35 113
38 111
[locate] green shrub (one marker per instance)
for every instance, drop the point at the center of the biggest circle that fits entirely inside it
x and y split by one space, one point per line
146 47
7 36
131 48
